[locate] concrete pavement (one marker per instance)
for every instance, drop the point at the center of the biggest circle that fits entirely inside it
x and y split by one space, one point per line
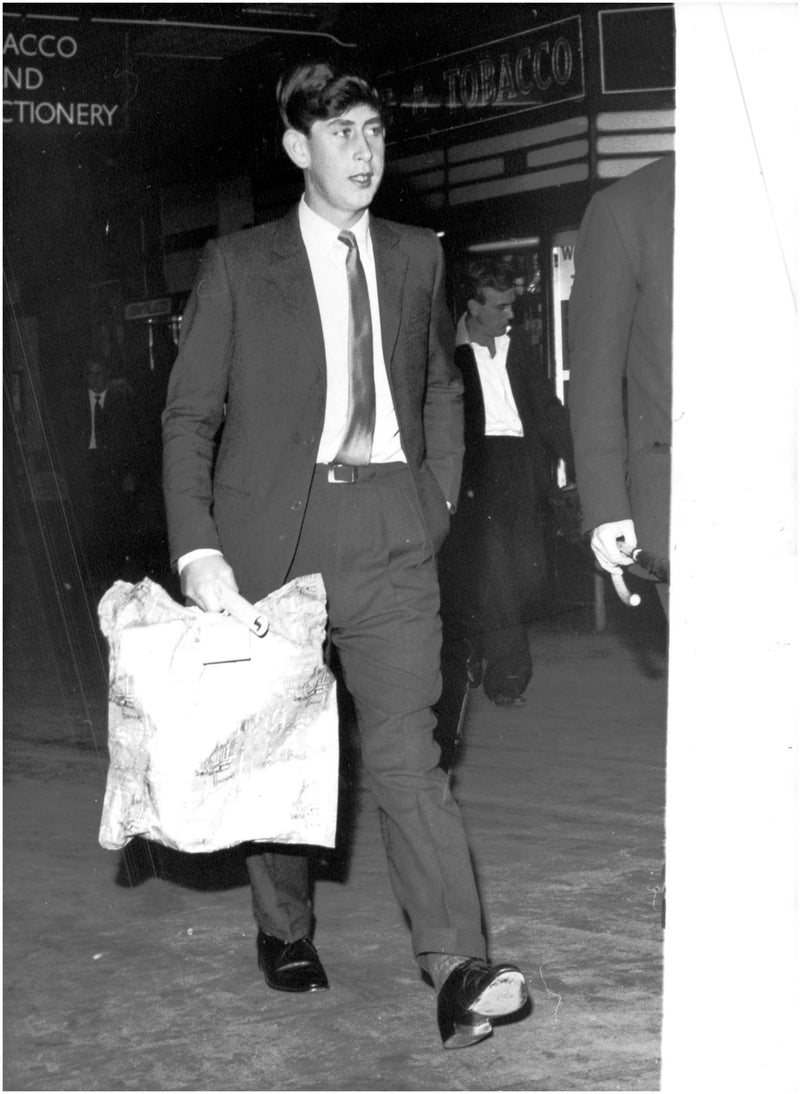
137 971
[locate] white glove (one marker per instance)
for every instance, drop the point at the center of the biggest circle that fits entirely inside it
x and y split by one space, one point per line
612 544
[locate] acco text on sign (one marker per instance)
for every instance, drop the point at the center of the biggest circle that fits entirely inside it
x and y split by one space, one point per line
29 62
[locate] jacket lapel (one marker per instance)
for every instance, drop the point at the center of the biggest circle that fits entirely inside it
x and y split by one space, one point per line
390 270
474 407
520 384
290 272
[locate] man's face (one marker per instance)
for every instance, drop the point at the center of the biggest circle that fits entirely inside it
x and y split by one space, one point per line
494 314
96 376
342 160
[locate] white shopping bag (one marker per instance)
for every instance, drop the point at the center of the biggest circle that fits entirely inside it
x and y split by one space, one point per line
217 736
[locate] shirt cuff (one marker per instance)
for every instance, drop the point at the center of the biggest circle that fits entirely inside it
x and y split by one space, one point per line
190 556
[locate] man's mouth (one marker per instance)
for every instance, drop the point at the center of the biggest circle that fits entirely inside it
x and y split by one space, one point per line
362 180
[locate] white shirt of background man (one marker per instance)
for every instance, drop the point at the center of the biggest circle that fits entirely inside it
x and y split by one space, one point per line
500 407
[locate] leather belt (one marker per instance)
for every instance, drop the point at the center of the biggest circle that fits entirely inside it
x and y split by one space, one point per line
348 473
343 472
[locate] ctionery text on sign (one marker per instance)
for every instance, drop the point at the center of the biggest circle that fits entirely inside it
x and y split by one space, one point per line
33 63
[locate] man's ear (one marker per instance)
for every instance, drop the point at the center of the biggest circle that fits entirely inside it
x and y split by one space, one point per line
472 307
295 145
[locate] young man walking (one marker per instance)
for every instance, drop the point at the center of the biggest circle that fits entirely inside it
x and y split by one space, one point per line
322 346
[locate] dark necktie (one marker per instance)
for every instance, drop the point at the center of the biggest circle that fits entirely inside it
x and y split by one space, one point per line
98 422
356 446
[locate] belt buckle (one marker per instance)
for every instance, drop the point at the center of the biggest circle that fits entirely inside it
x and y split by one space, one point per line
342 473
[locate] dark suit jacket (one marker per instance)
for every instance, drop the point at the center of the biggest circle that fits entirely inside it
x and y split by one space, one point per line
620 330
545 423
252 357
118 449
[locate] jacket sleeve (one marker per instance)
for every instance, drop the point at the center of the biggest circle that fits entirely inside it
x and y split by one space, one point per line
443 416
601 309
552 417
195 407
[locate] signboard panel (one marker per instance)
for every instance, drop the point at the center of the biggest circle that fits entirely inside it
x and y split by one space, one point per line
46 85
637 49
562 257
563 274
523 72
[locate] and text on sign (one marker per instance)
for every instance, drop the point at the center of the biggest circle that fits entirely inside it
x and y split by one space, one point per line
29 60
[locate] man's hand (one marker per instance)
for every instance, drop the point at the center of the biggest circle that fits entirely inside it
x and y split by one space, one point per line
606 541
204 579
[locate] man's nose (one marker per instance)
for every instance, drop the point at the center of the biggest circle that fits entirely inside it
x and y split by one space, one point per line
363 149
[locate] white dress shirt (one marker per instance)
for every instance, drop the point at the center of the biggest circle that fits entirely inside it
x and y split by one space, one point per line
327 254
500 407
92 404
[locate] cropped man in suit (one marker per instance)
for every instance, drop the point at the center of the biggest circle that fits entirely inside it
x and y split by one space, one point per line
620 397
494 563
102 463
321 345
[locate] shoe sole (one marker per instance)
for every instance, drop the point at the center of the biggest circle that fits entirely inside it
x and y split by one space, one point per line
506 993
464 1036
298 991
283 987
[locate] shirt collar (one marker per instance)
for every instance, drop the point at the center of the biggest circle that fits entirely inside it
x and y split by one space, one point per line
463 338
320 235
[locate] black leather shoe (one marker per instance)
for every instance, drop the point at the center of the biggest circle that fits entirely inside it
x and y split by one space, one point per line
290 966
473 993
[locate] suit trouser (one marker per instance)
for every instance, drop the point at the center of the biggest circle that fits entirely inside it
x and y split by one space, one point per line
100 510
504 537
368 541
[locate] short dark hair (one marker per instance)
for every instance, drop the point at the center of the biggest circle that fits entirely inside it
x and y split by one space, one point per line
487 273
317 91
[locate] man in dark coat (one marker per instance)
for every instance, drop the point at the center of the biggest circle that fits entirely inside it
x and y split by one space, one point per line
322 346
620 394
515 428
102 457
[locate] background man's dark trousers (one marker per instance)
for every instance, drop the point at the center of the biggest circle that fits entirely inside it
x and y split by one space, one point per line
369 542
494 568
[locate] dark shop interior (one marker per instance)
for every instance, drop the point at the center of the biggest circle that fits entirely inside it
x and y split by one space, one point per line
627 789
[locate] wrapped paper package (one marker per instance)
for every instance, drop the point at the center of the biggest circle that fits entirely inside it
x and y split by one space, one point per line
217 736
